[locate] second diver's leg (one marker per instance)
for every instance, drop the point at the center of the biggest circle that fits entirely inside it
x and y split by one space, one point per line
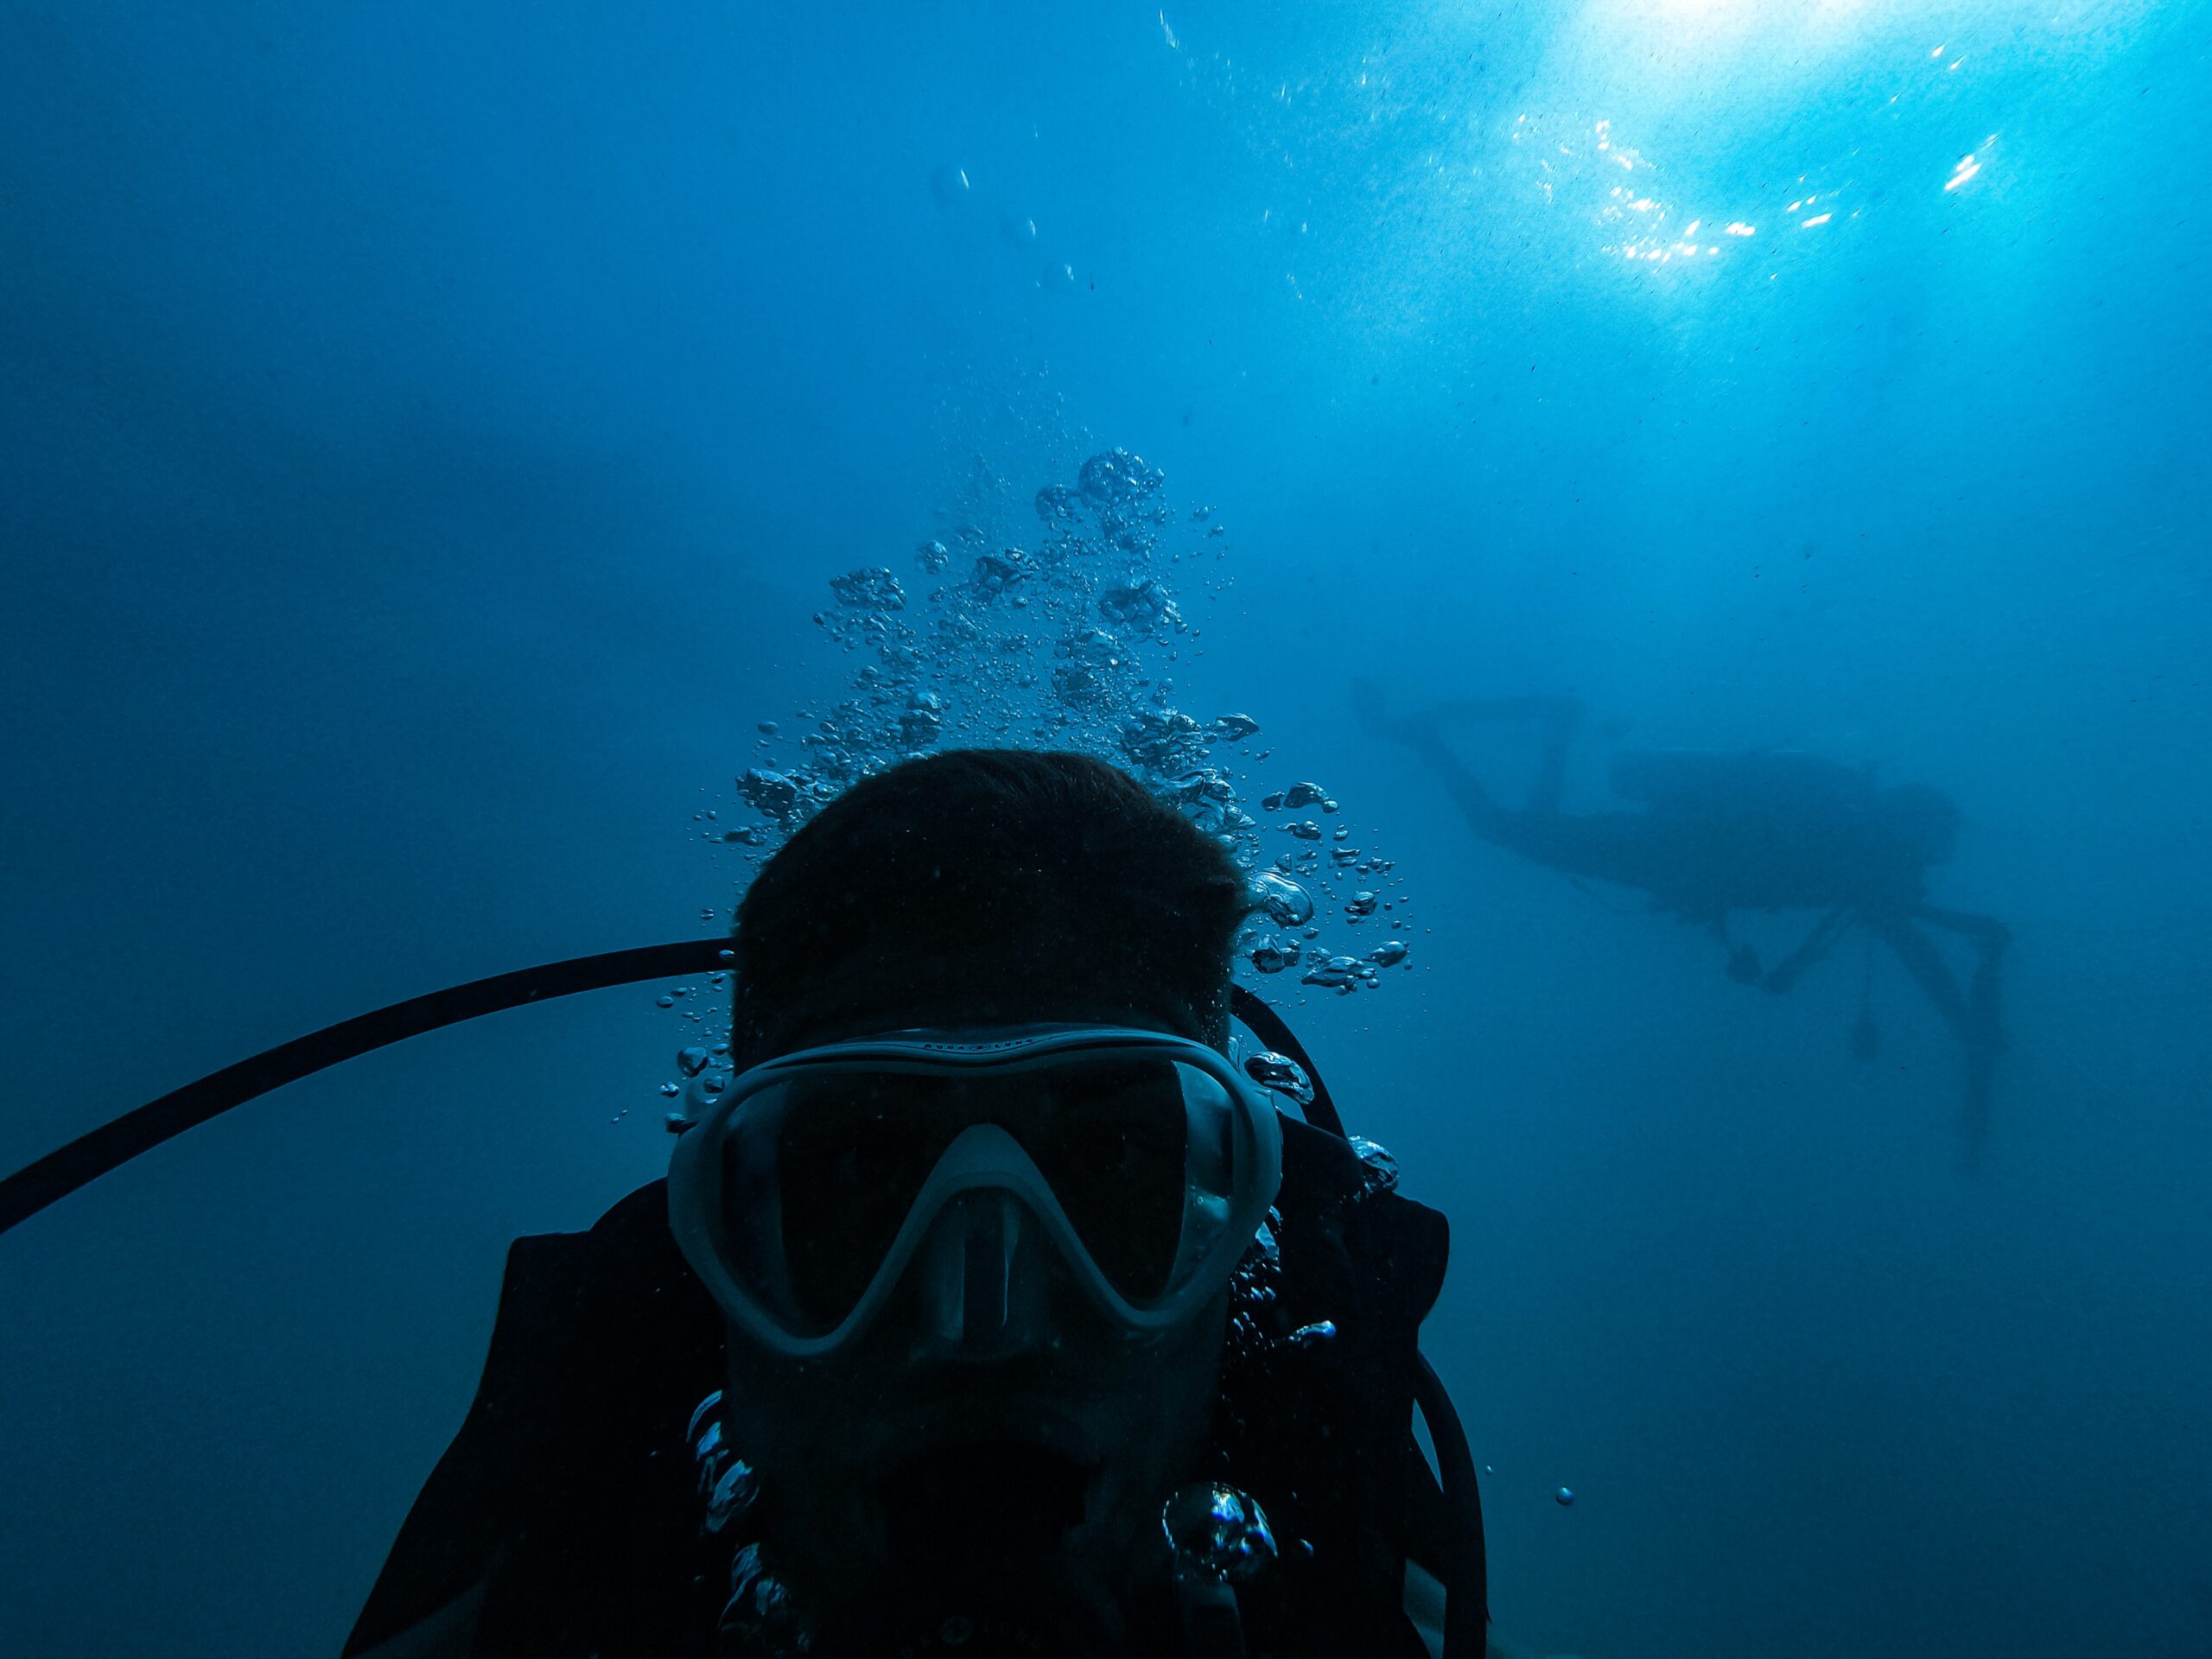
1983 1031
1483 815
1971 1013
1561 718
1557 721
1423 733
1558 718
1917 953
1610 846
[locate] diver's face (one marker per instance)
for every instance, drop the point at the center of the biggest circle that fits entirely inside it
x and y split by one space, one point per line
932 1467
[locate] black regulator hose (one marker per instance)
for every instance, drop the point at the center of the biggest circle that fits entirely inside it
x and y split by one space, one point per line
1466 1598
110 1146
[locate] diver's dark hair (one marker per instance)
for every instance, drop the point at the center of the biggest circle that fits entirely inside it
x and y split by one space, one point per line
1019 871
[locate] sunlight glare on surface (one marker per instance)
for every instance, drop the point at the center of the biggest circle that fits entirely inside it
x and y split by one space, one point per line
1689 98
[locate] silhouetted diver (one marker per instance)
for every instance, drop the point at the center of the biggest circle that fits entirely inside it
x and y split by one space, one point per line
1763 830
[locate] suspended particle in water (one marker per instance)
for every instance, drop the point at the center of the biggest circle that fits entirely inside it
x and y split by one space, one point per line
948 185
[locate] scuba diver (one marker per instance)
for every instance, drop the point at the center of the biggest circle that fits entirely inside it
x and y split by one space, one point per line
1758 830
935 1336
990 1304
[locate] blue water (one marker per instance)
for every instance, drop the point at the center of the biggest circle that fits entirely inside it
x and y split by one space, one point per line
428 431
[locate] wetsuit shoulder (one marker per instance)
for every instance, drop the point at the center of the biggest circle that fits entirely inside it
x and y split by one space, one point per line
560 1489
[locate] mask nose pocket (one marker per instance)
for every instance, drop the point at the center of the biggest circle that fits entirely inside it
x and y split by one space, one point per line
967 1273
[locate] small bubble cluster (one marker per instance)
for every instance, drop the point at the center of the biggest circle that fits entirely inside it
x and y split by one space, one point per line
1283 1075
729 1484
1382 1169
759 1618
1253 1287
1218 1532
869 590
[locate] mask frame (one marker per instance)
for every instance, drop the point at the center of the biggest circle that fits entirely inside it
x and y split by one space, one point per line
983 1157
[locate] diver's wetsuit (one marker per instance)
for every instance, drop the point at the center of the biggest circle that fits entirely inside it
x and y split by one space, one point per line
568 1495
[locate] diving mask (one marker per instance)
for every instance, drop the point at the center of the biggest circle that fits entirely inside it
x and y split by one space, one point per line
805 1189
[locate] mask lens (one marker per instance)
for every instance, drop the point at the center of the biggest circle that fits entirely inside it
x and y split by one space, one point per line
1111 1137
850 1154
820 1173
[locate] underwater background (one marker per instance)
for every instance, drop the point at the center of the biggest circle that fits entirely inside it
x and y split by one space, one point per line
429 432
